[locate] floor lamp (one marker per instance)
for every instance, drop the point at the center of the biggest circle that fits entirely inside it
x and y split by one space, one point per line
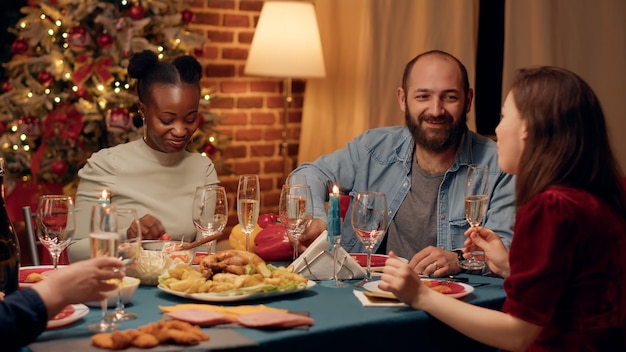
286 44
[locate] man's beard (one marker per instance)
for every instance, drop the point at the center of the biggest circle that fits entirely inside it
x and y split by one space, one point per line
443 138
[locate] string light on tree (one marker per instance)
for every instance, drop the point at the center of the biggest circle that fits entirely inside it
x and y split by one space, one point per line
66 93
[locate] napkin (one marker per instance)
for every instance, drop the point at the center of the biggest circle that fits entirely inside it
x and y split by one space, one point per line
376 302
316 263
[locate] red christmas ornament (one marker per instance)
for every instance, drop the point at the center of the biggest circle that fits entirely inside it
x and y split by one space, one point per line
78 38
209 149
29 126
59 168
3 127
104 40
118 120
45 78
20 46
7 86
137 12
186 16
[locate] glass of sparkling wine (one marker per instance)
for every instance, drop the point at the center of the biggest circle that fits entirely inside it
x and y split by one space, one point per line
248 203
476 202
295 211
104 240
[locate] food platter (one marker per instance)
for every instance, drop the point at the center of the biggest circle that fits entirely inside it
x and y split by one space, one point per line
69 315
235 295
458 289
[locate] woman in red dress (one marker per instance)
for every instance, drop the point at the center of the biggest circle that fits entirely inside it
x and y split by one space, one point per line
565 274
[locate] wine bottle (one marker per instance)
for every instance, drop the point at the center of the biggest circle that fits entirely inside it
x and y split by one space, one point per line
9 246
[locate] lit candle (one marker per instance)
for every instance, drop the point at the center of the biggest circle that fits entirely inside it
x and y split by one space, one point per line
105 197
334 221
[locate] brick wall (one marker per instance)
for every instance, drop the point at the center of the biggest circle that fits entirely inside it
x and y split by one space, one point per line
252 106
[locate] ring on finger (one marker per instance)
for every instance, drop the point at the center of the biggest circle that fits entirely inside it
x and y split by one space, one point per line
436 265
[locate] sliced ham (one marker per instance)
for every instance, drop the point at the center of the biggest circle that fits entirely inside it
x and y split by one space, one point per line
200 317
273 319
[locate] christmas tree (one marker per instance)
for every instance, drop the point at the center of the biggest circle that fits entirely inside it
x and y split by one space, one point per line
66 93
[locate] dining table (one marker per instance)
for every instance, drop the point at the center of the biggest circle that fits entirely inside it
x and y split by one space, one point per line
341 321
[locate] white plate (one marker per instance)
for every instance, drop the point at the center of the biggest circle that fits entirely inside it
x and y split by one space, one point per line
372 286
225 297
40 269
80 310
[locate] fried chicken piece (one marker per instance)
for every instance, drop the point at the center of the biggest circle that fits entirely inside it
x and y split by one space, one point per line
102 340
230 261
144 340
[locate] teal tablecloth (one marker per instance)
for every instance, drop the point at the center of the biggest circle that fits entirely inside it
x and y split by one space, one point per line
340 322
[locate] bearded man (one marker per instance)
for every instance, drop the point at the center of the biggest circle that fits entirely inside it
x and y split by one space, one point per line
422 169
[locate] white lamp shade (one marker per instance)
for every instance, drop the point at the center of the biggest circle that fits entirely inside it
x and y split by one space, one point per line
286 42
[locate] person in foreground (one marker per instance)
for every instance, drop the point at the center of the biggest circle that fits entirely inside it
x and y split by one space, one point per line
25 313
565 274
155 175
422 169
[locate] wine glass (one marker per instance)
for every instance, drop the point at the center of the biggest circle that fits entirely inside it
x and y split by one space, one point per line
127 252
210 212
369 221
295 211
56 221
248 203
476 202
104 241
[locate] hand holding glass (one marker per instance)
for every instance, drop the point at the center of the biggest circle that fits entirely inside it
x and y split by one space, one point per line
210 211
295 211
248 203
56 222
369 222
476 203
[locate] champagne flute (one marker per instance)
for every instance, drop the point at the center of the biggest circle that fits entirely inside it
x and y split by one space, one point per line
128 250
295 211
56 221
248 203
104 241
369 221
476 202
210 212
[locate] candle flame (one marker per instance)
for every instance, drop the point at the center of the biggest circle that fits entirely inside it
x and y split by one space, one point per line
335 189
105 194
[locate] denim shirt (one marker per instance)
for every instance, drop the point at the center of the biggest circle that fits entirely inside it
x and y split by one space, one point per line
380 160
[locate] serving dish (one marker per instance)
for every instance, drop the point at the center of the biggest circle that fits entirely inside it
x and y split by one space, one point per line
235 295
128 290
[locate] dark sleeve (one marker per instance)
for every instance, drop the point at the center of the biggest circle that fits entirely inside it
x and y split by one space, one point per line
23 317
540 257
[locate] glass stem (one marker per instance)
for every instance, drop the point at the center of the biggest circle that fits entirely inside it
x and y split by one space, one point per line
369 264
295 249
120 305
103 308
247 241
55 259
